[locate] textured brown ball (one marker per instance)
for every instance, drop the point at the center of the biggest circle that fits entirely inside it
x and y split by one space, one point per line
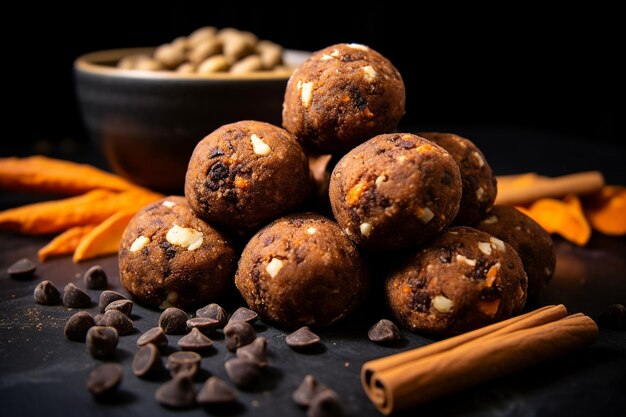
170 257
245 174
395 191
462 280
301 270
532 243
479 183
342 96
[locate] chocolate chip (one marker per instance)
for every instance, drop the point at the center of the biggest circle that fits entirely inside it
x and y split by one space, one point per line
195 341
205 325
238 334
176 393
308 388
325 404
243 314
77 326
216 391
102 341
107 297
173 321
95 278
104 379
244 373
614 317
123 306
186 363
215 153
154 336
256 351
75 297
46 293
22 269
302 338
117 319
218 172
147 362
384 331
213 311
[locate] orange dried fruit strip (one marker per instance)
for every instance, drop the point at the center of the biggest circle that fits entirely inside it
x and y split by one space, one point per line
565 218
65 243
47 175
606 210
105 238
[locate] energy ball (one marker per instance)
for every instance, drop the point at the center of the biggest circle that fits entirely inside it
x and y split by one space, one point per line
479 183
342 96
245 174
462 280
532 243
170 257
395 191
301 270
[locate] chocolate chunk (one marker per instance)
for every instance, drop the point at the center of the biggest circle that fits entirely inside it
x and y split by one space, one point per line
176 393
216 391
325 404
22 269
104 379
78 325
186 363
107 297
213 311
147 362
308 388
384 331
75 297
238 334
46 293
205 325
117 319
244 373
102 341
195 341
302 338
155 336
123 306
256 351
95 278
243 314
614 317
173 321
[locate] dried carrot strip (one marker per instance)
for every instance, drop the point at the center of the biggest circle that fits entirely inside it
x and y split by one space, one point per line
565 218
105 238
65 243
606 210
48 175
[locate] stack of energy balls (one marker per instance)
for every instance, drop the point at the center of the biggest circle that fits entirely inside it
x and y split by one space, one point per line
429 196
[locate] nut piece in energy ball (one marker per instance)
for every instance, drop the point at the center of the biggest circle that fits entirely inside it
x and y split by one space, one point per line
531 242
301 270
342 96
452 284
245 174
479 183
78 325
170 257
102 341
395 191
104 379
74 297
46 293
95 278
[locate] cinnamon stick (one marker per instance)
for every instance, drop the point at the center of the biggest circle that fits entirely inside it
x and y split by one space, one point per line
410 378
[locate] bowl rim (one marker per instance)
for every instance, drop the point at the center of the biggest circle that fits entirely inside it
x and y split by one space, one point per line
93 62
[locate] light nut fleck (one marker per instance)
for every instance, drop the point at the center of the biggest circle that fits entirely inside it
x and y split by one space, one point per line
311 230
425 214
491 219
168 204
307 93
485 247
480 193
259 147
443 304
366 229
369 73
186 237
479 159
358 46
274 267
548 271
497 244
463 258
139 243
380 179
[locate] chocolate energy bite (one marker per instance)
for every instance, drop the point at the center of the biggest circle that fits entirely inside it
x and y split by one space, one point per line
462 280
301 270
170 257
395 191
479 183
532 243
245 174
342 96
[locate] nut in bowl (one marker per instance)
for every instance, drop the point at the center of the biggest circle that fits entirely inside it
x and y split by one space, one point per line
148 120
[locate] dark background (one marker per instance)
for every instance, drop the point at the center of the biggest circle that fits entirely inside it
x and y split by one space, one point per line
514 66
